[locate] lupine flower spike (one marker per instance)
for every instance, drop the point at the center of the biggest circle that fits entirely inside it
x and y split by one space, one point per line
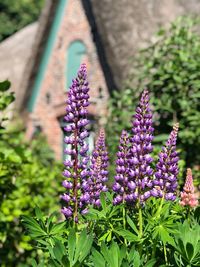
165 183
121 185
76 170
140 171
99 173
187 196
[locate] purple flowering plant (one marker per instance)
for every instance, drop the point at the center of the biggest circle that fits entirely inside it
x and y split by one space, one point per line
141 207
135 180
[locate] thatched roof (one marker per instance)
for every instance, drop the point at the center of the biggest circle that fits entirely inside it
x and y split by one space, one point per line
15 51
32 66
126 25
119 28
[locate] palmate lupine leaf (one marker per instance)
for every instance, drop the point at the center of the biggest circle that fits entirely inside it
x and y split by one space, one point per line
71 244
34 228
98 259
128 235
132 225
43 230
187 244
113 255
79 246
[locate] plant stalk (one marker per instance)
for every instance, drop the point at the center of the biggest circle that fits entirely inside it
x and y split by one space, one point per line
124 221
140 223
165 253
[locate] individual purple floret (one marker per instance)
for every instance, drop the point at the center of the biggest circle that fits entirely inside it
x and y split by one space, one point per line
121 185
76 169
140 171
165 183
98 171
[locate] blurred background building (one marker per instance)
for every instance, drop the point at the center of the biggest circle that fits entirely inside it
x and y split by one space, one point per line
42 58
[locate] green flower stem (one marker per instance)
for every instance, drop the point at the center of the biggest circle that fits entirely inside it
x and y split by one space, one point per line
154 250
188 214
165 253
124 221
140 223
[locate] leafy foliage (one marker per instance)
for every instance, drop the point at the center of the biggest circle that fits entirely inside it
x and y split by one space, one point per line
27 179
187 245
17 14
69 249
170 70
167 238
115 256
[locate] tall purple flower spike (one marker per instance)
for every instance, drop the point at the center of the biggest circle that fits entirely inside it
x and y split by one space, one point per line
165 183
140 171
99 173
76 169
122 186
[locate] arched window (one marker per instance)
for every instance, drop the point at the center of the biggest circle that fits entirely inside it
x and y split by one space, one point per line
75 52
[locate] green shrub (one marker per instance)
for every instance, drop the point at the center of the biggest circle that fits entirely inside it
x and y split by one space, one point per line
170 69
17 14
29 176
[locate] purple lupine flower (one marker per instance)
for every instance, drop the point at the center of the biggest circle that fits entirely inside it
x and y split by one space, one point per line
76 169
98 170
140 171
121 185
165 182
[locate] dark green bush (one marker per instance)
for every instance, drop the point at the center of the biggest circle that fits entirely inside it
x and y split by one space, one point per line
17 14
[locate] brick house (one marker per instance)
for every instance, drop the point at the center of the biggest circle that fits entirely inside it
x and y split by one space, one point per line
104 34
63 42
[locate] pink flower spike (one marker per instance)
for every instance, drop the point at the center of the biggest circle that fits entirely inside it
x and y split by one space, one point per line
187 196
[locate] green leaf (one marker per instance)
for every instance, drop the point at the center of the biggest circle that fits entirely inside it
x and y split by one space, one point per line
53 263
103 201
58 228
71 245
132 225
150 263
65 261
106 254
4 86
33 263
189 250
32 226
98 259
136 259
122 254
59 251
38 213
87 244
114 251
128 235
104 236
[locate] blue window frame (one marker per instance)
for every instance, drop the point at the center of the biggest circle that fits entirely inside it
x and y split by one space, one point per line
75 52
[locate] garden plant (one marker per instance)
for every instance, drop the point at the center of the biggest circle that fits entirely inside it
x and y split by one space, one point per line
27 179
141 220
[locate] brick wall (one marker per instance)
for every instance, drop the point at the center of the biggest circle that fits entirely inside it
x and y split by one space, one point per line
73 27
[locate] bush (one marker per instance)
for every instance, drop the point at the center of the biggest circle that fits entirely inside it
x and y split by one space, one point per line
17 14
27 179
170 69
